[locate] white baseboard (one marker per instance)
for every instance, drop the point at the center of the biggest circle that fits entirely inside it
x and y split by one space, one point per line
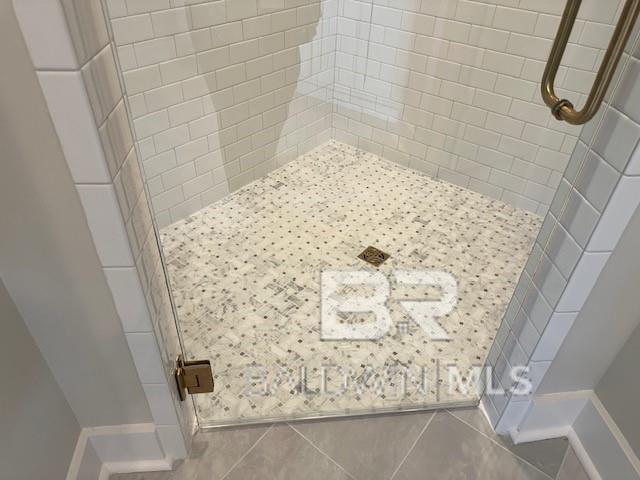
583 455
80 459
612 426
162 465
549 416
580 416
537 435
104 473
101 451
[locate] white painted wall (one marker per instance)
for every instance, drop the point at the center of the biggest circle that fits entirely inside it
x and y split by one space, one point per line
30 400
619 390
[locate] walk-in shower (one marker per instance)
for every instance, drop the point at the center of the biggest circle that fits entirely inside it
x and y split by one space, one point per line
279 139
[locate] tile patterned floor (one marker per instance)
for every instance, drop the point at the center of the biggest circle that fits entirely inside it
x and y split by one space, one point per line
445 445
245 275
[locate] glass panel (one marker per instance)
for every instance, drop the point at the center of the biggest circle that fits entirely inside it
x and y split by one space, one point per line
281 138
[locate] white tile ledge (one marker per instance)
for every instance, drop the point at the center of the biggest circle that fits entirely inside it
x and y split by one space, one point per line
73 120
105 223
45 31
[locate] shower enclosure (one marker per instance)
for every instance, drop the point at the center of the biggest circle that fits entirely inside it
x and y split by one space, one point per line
279 139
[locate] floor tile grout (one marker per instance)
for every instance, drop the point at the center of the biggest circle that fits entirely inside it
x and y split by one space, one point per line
498 444
413 445
321 451
247 452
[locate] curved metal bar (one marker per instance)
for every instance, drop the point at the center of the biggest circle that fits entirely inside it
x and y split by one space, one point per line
562 109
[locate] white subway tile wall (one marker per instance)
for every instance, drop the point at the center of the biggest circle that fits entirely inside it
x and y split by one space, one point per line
454 86
595 200
223 92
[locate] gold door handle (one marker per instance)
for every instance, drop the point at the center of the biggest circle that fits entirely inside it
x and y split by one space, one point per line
562 109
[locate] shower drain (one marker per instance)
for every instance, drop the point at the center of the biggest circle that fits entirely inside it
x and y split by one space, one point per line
374 256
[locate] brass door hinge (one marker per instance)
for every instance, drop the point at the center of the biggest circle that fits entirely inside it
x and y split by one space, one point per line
193 377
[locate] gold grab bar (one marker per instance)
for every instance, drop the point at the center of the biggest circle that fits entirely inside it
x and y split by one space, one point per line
562 109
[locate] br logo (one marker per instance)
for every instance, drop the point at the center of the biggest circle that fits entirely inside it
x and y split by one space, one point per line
423 312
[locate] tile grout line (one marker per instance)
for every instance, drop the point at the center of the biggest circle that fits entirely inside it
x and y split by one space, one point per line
246 453
320 450
498 444
413 445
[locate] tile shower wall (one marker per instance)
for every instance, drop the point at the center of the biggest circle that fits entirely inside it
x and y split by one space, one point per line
451 87
224 91
598 195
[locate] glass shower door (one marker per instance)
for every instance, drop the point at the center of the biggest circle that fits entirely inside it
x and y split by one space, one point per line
347 191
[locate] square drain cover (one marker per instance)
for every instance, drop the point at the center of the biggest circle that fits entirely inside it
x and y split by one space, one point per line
374 256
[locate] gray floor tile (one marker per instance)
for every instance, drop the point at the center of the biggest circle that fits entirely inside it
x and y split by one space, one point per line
571 468
284 454
368 448
547 455
371 448
214 453
451 450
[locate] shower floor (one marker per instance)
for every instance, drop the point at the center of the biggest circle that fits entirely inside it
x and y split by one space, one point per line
245 274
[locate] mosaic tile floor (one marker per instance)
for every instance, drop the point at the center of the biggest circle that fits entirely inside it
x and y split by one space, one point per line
246 270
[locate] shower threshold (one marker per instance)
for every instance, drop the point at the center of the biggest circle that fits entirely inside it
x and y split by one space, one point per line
363 413
246 277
